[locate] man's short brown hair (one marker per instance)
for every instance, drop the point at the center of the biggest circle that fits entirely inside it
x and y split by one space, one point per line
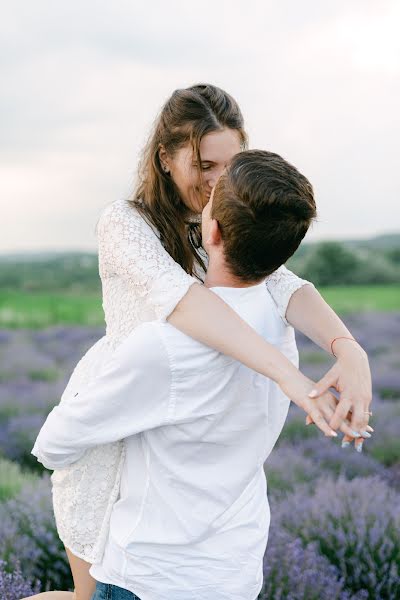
264 208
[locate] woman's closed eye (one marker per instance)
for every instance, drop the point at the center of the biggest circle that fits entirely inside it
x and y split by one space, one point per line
204 166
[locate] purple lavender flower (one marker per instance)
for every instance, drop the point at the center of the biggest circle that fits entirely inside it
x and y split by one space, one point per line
299 572
384 445
28 536
14 586
355 525
18 436
286 468
328 456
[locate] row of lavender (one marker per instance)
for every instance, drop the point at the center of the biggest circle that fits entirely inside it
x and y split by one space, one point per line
335 513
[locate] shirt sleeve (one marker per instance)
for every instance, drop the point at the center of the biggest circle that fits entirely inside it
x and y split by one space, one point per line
281 284
130 248
125 399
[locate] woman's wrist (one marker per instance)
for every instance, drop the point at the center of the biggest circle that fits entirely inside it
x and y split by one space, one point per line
282 372
343 346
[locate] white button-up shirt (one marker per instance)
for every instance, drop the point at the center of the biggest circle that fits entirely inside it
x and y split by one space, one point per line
193 517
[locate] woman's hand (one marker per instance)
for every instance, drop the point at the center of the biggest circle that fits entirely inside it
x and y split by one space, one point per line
351 377
297 387
327 407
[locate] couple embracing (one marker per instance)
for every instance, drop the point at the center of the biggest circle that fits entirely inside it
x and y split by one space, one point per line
160 437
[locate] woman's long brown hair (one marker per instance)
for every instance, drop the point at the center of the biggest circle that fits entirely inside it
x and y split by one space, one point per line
186 117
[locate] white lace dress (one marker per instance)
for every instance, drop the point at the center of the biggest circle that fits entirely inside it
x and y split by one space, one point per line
141 282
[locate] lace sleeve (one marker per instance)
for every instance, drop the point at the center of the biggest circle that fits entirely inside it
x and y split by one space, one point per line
129 248
281 284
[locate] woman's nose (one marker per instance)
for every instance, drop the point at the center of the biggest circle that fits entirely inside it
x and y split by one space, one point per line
214 176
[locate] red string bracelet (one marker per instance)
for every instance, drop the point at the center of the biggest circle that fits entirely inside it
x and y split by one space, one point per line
341 337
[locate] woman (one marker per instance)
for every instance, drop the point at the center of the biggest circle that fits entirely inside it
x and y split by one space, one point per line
151 264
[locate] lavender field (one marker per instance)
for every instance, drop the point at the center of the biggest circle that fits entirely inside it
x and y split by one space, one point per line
335 513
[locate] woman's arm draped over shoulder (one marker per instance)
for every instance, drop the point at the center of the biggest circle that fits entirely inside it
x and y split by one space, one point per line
350 375
302 306
129 247
282 284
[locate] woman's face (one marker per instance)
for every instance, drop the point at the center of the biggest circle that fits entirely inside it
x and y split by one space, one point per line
216 151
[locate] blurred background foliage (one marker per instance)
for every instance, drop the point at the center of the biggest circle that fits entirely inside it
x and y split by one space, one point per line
328 263
37 290
349 549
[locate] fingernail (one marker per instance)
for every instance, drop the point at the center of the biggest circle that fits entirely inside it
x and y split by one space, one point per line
365 434
345 444
333 433
355 433
312 394
370 428
359 447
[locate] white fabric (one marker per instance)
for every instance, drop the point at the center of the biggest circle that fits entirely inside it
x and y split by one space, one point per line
141 283
193 517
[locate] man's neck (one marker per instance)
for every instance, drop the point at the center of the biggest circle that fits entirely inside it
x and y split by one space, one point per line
219 276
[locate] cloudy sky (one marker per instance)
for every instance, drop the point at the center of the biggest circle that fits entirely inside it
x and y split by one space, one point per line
81 82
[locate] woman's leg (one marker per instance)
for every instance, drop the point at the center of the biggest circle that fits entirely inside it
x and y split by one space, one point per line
84 583
52 596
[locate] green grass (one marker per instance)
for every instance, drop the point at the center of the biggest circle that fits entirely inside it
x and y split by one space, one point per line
36 310
12 479
48 375
348 299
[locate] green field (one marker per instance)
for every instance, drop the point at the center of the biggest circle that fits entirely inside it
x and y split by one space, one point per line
350 299
35 310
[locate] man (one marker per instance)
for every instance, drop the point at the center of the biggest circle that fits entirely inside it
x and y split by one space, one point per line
193 517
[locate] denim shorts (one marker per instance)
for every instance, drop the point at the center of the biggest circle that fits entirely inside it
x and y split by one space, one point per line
108 591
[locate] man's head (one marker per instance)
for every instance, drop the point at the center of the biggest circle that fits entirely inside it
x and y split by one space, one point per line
259 212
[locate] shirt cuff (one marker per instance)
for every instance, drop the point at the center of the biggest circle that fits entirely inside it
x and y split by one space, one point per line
61 464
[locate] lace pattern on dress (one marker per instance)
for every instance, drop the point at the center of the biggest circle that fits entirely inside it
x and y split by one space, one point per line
141 282
282 284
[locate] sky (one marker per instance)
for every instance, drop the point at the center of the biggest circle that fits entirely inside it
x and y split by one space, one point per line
82 82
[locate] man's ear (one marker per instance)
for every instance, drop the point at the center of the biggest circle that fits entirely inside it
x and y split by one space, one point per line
214 235
163 156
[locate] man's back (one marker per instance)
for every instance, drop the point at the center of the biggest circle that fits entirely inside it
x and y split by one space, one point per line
193 510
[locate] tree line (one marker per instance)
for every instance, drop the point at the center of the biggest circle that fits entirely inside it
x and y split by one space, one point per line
328 263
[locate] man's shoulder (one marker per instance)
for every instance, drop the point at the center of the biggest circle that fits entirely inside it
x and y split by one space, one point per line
188 355
155 342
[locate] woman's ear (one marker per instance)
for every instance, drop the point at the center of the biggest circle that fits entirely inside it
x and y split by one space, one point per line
163 156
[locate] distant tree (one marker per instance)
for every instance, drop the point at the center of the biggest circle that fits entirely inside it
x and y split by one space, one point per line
330 263
393 255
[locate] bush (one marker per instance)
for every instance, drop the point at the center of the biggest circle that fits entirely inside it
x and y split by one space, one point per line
336 263
14 586
330 263
295 430
355 525
286 468
290 466
298 572
330 457
12 479
17 438
384 445
28 536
